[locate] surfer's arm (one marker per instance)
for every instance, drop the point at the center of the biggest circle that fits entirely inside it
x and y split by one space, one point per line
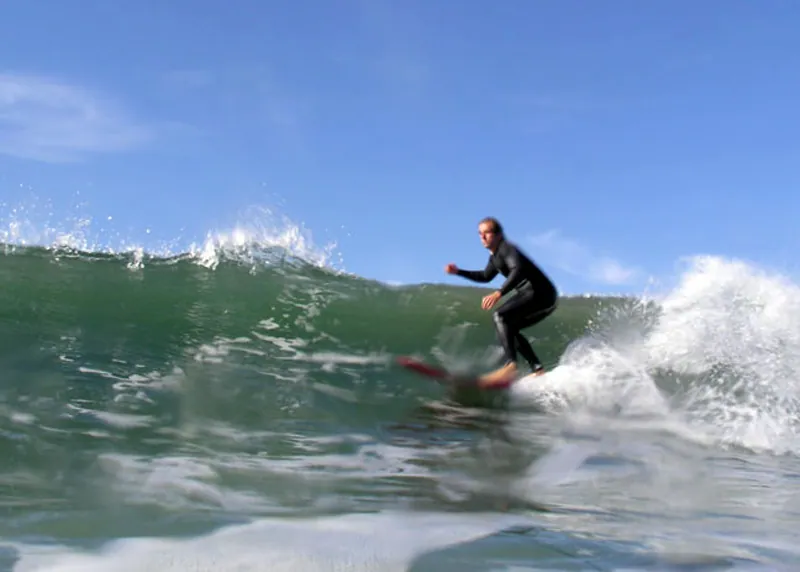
485 275
515 275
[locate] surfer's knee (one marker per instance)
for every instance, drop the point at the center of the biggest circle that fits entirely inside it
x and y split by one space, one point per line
498 319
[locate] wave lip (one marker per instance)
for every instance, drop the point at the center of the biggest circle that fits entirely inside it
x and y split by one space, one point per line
260 237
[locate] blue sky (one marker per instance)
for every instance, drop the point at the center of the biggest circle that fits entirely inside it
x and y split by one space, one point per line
611 138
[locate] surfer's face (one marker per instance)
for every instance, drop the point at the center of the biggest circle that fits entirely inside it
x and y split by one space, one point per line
487 234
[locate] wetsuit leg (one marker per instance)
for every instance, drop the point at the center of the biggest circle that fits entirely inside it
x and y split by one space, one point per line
526 351
521 311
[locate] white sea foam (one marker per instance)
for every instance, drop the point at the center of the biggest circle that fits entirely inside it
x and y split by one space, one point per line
359 543
721 356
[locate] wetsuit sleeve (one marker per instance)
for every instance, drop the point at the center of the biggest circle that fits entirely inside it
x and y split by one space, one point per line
515 274
485 275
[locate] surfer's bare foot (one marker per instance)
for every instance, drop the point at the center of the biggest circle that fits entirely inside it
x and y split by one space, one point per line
538 371
500 375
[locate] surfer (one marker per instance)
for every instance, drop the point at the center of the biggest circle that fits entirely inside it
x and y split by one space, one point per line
534 299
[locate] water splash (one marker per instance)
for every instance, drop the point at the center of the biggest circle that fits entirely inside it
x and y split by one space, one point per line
720 353
263 237
34 223
259 237
730 331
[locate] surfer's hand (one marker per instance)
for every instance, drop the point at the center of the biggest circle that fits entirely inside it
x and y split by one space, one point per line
490 300
451 268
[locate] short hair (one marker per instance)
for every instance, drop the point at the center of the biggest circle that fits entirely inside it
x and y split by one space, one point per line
497 228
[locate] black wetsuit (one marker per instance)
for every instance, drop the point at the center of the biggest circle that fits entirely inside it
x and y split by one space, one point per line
535 299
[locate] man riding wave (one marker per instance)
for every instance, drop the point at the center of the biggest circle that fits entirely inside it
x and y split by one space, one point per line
535 297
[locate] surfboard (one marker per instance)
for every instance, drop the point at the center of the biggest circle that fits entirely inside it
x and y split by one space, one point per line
445 377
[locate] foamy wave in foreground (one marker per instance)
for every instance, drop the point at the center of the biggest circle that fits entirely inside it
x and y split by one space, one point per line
381 543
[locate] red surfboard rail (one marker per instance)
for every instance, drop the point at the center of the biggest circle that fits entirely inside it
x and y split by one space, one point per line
442 375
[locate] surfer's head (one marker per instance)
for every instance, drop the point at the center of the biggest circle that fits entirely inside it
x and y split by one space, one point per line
491 232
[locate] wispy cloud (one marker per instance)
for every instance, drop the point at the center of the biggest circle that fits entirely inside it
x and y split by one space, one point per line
49 120
571 256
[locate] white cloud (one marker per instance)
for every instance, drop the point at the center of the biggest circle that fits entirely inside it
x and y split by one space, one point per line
571 256
46 119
